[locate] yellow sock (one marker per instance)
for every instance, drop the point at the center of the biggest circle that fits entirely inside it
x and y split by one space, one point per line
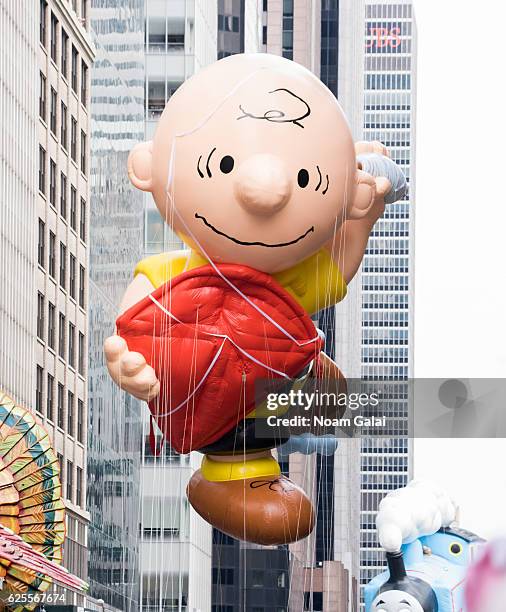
223 470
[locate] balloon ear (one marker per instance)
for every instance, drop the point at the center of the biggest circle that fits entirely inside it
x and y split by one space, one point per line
139 166
365 193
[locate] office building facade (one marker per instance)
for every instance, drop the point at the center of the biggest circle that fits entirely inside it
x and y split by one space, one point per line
387 278
60 288
19 44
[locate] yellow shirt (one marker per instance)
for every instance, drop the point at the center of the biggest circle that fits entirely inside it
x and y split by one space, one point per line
315 283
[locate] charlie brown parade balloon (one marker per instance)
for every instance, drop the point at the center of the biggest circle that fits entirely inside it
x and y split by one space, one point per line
254 167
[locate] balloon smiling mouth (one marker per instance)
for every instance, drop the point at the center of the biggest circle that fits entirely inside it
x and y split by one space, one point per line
246 243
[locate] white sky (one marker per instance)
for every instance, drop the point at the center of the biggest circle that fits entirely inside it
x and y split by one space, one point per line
460 245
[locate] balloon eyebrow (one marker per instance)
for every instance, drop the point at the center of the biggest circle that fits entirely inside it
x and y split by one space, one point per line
207 163
279 116
320 180
403 601
327 187
201 174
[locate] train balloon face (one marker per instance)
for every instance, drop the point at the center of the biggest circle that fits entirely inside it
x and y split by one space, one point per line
396 601
436 567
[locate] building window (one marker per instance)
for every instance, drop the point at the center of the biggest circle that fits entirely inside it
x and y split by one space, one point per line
41 251
63 195
60 464
83 152
38 389
63 266
80 420
50 397
82 280
63 126
70 479
223 575
257 578
265 7
313 600
73 139
82 220
52 182
264 35
64 53
70 413
54 37
82 353
41 306
42 22
84 11
42 97
52 255
154 231
79 487
51 325
287 39
72 345
84 82
61 406
73 207
61 336
72 277
74 69
164 35
42 170
158 93
228 23
52 115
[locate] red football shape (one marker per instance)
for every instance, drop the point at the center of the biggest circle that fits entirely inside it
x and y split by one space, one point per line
209 334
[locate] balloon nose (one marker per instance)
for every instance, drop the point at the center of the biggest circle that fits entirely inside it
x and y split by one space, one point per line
261 184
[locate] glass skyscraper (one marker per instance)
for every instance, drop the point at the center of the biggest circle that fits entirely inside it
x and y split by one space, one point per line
116 245
387 274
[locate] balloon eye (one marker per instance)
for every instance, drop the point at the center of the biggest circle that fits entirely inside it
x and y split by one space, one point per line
303 178
227 164
455 548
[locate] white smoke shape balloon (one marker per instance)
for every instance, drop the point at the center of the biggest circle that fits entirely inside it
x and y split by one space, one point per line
407 514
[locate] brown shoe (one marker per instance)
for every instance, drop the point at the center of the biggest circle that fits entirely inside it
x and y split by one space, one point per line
268 510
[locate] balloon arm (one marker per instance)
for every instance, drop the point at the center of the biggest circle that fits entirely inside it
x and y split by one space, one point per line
350 242
138 289
130 370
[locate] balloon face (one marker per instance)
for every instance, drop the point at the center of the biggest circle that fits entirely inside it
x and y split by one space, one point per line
396 601
253 163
